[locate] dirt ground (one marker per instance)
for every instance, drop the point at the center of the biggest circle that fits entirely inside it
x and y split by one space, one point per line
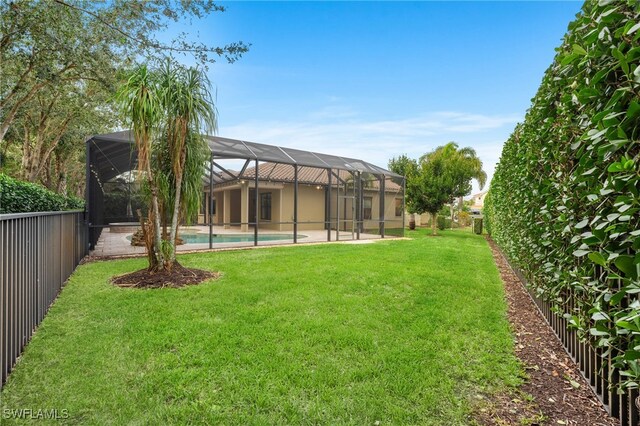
179 276
554 393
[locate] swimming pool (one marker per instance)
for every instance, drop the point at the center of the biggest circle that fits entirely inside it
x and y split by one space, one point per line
202 238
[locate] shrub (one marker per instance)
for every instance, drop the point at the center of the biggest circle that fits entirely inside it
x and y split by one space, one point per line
443 222
477 225
21 197
75 203
487 210
564 199
464 218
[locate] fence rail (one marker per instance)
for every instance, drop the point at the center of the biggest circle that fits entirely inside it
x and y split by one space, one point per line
595 368
38 252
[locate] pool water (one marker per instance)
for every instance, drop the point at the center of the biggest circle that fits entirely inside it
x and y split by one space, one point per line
202 238
235 238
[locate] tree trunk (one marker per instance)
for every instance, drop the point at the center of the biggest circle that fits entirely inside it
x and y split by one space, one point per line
452 212
147 235
47 180
157 261
36 157
11 115
412 221
176 208
174 222
434 224
61 175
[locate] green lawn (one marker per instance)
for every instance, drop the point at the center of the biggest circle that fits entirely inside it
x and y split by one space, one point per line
400 332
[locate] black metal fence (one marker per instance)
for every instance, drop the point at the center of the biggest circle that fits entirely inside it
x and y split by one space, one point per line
38 252
594 366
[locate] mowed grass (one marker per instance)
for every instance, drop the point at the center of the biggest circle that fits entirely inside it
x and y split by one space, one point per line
395 332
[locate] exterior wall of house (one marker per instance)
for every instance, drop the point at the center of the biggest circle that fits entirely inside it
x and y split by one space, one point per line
421 219
391 220
235 212
341 209
276 209
478 200
311 207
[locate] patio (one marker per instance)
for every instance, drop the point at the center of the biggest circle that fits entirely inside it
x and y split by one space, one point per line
119 243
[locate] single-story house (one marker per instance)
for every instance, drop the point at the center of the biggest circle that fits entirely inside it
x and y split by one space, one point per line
234 202
296 190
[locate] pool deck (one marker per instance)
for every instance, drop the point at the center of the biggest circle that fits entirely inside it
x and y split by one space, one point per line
117 244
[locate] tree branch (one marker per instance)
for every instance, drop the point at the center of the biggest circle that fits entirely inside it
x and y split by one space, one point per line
233 48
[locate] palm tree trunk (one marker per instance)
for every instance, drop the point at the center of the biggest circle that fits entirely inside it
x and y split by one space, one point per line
174 222
157 260
179 173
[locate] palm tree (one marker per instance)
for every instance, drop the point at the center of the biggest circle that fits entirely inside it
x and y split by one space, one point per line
168 109
189 109
141 105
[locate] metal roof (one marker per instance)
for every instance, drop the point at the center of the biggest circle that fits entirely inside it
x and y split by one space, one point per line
310 175
114 155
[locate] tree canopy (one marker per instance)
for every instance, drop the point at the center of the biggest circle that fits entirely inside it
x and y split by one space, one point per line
438 177
61 63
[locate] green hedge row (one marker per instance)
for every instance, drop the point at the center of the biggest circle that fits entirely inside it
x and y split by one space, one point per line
563 203
22 197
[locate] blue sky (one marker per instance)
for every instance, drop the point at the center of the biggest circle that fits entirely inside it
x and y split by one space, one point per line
375 80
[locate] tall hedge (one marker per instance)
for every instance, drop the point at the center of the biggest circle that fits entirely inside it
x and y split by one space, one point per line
563 203
21 197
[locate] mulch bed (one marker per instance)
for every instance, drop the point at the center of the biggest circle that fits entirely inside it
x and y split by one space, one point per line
561 396
178 277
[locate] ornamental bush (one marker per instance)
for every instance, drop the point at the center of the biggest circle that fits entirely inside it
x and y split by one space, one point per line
443 222
21 197
563 203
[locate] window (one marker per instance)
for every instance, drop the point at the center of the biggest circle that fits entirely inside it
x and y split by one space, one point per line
366 208
398 207
265 206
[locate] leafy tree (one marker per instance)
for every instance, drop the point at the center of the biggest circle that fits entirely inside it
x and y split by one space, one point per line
436 184
50 132
428 185
437 178
168 108
60 64
465 166
408 168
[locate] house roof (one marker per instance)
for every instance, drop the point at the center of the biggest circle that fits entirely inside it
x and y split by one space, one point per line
114 155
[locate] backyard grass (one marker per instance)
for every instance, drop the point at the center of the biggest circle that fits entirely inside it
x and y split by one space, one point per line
395 332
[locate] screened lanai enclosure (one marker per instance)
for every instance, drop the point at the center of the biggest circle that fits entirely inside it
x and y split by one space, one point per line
252 194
